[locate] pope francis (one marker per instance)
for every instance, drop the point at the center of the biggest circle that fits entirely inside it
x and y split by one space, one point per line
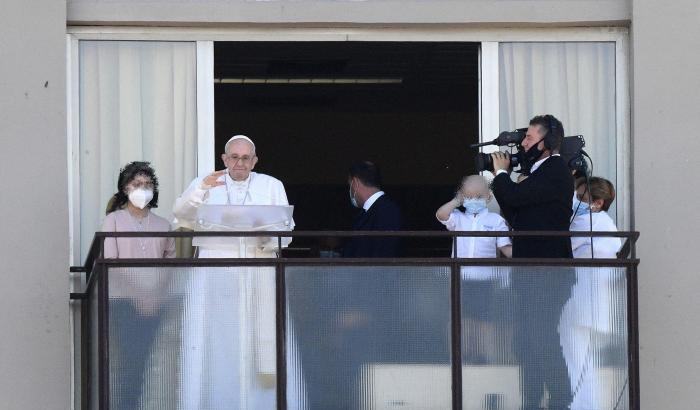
228 359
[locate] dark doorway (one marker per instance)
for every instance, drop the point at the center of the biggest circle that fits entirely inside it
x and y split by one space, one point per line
313 107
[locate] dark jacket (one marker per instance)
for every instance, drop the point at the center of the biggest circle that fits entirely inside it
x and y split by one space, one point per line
383 215
542 202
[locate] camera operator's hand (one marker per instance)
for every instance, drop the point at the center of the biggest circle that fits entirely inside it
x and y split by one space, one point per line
501 160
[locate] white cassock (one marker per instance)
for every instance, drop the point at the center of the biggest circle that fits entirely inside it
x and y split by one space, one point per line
589 318
229 323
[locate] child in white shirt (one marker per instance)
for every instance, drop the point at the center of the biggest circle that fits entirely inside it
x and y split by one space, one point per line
474 195
481 304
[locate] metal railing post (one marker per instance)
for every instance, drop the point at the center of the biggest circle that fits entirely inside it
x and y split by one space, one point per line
456 334
281 321
633 338
103 337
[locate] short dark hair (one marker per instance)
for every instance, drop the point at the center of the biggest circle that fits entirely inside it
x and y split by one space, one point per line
126 175
367 172
550 124
599 188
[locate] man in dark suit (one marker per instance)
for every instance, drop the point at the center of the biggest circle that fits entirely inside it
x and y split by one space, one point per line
540 202
377 213
341 313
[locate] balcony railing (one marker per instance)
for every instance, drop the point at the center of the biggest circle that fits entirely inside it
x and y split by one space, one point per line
358 333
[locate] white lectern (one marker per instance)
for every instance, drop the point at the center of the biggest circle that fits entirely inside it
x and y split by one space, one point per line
248 218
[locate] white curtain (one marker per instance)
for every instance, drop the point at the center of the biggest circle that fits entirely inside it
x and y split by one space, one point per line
137 103
575 82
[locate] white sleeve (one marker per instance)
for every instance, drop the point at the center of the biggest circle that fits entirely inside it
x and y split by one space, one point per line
605 247
580 224
186 205
451 222
502 226
279 197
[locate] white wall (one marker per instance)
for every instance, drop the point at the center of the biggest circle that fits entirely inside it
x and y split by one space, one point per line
349 11
666 108
34 345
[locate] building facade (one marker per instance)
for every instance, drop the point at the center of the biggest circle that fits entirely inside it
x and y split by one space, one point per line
629 68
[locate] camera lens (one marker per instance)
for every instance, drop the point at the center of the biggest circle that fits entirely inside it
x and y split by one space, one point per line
484 162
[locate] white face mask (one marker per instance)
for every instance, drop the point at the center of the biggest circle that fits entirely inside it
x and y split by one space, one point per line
353 200
140 197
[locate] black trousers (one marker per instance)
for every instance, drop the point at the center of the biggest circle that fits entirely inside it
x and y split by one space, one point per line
541 295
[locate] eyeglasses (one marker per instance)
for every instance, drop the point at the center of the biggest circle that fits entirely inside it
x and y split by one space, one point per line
245 159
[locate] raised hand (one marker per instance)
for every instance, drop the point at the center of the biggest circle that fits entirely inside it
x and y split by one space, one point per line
211 180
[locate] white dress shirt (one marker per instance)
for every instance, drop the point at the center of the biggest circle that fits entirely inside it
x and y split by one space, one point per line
540 162
477 247
371 200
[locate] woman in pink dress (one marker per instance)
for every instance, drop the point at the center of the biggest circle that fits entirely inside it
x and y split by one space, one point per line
139 298
129 210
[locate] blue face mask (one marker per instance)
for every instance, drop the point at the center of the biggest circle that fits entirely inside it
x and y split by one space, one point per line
474 205
580 208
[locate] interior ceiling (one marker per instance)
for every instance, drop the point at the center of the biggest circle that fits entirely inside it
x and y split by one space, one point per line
390 123
424 63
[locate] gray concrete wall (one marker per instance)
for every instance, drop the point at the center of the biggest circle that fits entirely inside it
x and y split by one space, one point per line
34 346
206 12
666 108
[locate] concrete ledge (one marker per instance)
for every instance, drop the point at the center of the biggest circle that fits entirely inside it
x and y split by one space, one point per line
528 12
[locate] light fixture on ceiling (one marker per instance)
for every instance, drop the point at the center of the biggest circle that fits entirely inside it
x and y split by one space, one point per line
297 81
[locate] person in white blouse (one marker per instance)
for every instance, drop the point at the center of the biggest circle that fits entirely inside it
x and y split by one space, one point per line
591 204
229 333
589 318
480 283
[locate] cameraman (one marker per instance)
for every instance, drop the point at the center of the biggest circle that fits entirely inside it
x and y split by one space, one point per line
541 202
